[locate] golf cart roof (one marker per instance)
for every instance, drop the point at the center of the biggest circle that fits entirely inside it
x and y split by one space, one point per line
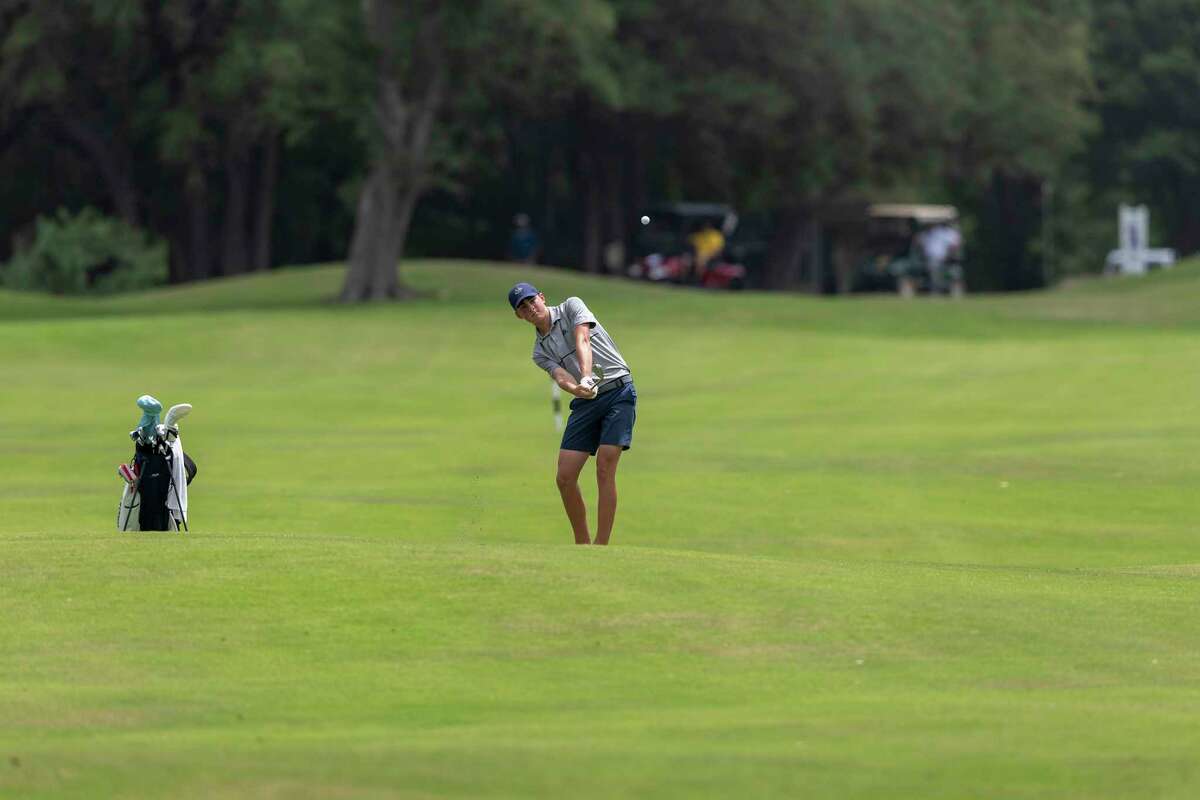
692 209
921 213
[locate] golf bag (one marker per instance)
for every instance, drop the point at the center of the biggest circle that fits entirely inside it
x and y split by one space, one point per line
157 498
154 486
157 477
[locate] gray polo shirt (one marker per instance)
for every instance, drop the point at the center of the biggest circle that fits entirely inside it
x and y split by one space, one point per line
557 348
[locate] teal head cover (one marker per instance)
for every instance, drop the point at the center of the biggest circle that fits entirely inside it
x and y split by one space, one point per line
151 408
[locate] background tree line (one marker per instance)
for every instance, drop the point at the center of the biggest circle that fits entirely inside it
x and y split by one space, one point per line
250 133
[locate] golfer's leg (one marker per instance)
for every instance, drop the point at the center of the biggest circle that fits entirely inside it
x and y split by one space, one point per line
607 457
570 464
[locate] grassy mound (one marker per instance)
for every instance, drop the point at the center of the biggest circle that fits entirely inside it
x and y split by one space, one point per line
865 547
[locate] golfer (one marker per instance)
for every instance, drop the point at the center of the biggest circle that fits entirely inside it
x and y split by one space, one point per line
581 358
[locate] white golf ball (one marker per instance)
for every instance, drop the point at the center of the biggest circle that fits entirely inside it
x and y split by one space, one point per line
645 220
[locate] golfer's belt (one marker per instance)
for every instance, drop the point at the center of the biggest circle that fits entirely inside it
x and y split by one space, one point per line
615 383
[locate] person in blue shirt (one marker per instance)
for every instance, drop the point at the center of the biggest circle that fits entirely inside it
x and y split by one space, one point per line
523 245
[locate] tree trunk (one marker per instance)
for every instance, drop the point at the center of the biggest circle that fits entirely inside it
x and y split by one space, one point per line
374 262
381 229
111 159
235 257
788 254
398 169
264 212
557 175
1188 241
178 268
1010 216
615 214
639 157
847 253
199 255
815 255
1182 226
593 212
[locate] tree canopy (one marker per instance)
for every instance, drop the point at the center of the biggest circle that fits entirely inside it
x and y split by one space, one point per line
248 133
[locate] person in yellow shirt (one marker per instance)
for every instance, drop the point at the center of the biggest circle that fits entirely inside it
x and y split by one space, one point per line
707 243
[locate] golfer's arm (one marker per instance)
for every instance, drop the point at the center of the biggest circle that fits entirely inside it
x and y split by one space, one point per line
565 380
583 349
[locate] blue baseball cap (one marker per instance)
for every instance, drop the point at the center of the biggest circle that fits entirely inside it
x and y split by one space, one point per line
519 292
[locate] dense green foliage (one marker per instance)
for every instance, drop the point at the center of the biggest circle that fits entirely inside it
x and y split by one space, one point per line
87 253
1147 66
254 132
866 548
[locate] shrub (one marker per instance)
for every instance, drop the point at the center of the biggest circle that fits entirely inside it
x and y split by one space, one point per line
87 253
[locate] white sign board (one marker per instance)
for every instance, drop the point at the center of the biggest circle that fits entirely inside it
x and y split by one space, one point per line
1132 256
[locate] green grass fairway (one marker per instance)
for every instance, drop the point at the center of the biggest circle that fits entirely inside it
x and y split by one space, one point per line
866 547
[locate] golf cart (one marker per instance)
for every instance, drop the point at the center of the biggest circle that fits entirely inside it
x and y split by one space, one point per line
664 246
911 249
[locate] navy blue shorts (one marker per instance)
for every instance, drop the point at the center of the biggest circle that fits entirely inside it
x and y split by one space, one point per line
606 420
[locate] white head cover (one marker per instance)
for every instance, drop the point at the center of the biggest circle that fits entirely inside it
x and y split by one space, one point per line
176 413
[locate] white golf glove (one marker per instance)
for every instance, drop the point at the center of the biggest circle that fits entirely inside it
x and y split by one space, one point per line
588 384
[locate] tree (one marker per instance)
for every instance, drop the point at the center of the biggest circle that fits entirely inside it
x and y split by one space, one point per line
927 93
179 106
239 81
427 56
259 92
78 70
1029 79
876 98
1146 57
411 50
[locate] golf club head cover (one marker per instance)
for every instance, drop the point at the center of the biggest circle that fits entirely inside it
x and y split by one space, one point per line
176 413
151 408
